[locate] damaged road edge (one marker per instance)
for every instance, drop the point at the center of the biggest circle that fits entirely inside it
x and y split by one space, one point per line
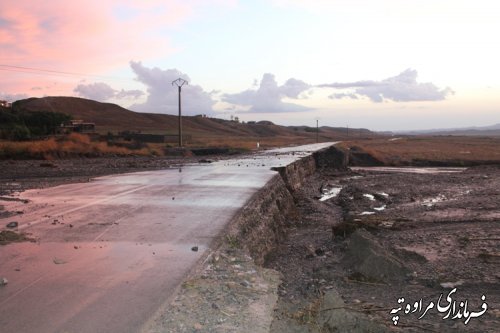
231 290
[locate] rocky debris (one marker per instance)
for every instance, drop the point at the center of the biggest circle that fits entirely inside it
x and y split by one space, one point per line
368 260
28 174
12 225
230 294
7 236
335 316
3 281
421 252
59 261
194 249
48 165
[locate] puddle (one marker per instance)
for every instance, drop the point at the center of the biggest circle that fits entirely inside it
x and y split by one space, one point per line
409 170
383 194
331 193
432 201
429 254
381 208
369 196
367 213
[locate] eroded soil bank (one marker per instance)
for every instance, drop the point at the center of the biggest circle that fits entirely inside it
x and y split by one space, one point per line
386 236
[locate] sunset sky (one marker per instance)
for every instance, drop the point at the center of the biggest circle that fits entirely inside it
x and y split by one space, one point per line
377 64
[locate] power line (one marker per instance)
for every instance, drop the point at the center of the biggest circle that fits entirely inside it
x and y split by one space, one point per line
43 71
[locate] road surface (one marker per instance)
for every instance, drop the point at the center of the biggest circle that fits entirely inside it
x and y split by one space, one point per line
112 251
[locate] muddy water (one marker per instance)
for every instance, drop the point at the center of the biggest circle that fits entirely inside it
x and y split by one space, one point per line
422 170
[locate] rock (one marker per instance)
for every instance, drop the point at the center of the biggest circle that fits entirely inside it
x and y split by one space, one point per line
3 281
319 252
194 249
12 225
47 165
245 283
451 285
333 317
366 258
58 261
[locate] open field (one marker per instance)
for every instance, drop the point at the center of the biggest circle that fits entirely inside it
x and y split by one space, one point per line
429 150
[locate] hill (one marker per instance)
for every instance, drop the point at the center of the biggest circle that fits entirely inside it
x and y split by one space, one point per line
113 118
492 130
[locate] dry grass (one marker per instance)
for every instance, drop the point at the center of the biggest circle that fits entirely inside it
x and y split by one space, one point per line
433 150
72 145
249 143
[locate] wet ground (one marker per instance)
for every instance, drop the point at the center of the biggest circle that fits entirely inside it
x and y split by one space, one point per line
424 231
109 252
20 175
382 234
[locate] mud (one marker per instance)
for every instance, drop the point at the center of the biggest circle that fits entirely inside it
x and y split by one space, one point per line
287 250
437 231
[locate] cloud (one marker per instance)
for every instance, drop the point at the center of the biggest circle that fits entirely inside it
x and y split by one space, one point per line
12 97
89 37
134 94
343 95
401 88
268 97
100 91
163 97
97 91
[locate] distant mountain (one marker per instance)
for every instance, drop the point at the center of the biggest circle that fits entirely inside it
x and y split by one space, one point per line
492 130
113 118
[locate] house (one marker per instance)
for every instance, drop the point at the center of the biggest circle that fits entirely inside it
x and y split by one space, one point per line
78 126
5 104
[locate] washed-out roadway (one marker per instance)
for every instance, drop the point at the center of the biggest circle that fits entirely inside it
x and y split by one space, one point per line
110 252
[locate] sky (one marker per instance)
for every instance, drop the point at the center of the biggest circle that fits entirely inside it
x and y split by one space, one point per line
376 64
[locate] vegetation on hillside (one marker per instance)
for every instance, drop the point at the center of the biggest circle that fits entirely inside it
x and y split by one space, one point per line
17 124
73 145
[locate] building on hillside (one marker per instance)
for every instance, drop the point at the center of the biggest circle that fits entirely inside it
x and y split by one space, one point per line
5 104
78 126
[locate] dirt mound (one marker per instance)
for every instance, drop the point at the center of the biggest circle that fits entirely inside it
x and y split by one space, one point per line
360 157
368 261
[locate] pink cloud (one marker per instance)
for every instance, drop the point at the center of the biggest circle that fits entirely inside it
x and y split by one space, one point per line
84 36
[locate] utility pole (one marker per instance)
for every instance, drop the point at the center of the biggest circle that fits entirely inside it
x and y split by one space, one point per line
179 83
317 131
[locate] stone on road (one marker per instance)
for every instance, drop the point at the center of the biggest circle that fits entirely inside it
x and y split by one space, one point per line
134 241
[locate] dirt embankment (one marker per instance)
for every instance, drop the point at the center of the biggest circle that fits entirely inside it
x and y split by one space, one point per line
233 291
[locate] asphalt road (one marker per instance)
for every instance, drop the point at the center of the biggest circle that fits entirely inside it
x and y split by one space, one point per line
113 251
